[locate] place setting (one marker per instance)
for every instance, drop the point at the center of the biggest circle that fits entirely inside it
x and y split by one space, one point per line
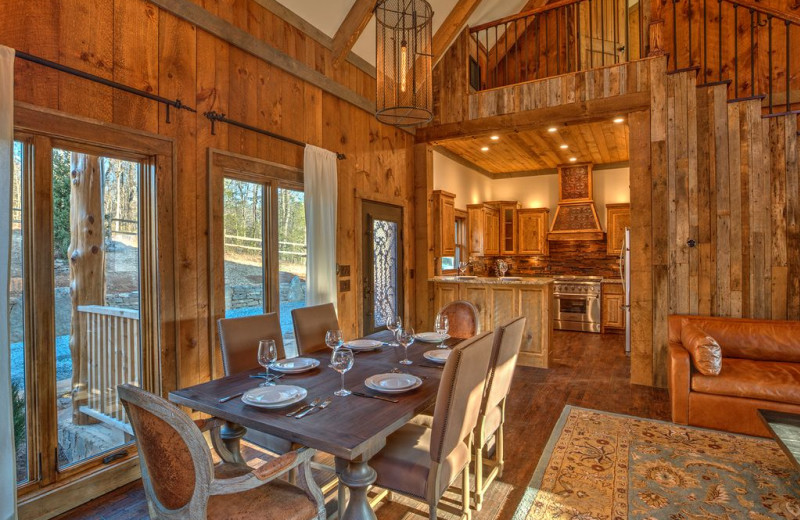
440 335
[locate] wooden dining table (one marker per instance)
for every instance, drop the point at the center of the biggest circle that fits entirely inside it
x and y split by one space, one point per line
352 428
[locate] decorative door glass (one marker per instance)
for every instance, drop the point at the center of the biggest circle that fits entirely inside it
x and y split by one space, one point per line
385 241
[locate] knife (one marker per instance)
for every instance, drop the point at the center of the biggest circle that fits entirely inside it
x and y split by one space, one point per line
229 397
311 410
431 366
360 394
305 407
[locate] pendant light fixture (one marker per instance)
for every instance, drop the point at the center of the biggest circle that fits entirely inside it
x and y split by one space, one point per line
404 35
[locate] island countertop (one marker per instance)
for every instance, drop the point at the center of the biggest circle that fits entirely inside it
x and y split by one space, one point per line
493 280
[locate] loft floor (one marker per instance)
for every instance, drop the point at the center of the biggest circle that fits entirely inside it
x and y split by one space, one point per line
588 370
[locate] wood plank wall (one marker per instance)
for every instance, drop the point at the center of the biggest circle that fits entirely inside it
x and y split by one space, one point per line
134 42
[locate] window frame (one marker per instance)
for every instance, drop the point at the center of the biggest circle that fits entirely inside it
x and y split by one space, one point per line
272 176
461 243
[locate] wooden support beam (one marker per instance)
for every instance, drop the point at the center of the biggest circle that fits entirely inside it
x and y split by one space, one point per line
451 27
351 28
569 113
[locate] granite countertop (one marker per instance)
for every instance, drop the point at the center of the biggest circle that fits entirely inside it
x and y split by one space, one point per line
493 280
612 280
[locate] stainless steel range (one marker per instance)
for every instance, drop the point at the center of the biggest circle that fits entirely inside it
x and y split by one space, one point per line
577 303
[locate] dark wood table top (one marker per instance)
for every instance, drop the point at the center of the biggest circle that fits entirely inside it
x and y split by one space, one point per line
351 426
785 427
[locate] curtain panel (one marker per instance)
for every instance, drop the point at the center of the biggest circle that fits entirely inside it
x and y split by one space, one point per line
8 473
321 187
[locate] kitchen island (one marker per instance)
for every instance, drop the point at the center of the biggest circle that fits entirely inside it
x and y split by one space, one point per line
500 299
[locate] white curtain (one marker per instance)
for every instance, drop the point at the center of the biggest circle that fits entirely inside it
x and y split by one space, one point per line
320 186
8 473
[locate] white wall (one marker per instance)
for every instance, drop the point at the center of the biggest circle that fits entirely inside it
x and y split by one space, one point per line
541 191
469 186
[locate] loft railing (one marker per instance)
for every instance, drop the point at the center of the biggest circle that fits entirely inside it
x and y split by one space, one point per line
754 49
563 37
112 348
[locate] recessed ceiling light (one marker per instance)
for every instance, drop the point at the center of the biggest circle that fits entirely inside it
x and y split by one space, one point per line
495 137
619 120
564 147
573 159
552 129
485 149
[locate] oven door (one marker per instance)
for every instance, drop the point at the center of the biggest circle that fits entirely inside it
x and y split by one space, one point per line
579 312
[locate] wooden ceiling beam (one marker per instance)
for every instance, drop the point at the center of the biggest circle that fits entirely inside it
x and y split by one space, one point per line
570 113
351 28
451 26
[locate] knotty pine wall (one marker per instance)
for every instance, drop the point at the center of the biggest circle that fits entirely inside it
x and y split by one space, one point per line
136 43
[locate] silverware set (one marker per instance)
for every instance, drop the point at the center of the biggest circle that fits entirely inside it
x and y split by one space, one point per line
314 408
272 377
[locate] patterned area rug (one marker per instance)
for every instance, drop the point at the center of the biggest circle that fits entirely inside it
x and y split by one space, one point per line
599 465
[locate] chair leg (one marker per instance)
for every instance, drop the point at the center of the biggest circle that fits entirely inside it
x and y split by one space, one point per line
498 440
432 508
466 514
477 456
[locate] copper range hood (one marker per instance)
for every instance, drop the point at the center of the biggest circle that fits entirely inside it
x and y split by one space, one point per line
576 216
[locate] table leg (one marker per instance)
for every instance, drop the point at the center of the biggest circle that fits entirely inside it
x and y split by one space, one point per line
358 477
226 442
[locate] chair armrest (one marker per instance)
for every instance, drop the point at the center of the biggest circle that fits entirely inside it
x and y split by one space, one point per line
263 474
680 372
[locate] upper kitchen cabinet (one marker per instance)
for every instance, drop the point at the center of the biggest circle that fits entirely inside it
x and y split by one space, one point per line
444 223
483 225
618 217
533 225
508 226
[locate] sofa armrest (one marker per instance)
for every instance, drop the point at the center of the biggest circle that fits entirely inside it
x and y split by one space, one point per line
680 372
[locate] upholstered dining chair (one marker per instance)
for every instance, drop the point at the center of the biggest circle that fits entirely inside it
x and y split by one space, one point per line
507 342
311 324
464 319
239 337
424 457
181 481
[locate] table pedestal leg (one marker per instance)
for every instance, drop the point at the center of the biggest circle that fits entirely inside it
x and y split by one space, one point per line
358 477
226 442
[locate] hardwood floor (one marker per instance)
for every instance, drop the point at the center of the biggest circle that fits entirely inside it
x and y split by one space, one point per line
588 370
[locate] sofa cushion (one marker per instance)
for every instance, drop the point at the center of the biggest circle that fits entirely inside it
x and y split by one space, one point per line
767 380
705 351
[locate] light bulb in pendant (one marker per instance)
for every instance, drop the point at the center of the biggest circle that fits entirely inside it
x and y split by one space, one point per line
403 64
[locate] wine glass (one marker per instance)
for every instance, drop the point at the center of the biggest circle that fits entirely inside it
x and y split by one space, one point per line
442 325
342 361
406 337
502 267
394 323
333 338
462 268
267 355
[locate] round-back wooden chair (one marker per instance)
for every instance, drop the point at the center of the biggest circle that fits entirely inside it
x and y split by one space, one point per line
464 319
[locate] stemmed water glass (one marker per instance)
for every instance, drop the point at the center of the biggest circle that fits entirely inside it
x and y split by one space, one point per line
333 338
394 323
462 268
405 337
342 361
267 355
442 325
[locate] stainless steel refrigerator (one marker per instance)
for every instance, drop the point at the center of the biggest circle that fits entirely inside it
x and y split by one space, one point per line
625 274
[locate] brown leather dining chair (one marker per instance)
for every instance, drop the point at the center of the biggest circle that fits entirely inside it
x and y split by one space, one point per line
507 342
239 337
463 317
424 457
181 481
311 324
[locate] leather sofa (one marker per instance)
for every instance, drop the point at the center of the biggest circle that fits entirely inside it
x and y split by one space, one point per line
760 369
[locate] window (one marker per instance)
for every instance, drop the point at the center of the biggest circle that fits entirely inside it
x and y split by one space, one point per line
16 311
450 263
263 242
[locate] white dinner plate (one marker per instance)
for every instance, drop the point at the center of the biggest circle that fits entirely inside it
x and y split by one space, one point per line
294 365
363 344
437 356
392 383
276 396
432 337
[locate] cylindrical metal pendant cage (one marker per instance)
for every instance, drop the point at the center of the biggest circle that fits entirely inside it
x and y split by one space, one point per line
404 37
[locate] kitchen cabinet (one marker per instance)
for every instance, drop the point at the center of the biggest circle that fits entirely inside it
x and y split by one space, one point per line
532 227
612 313
498 302
618 217
444 224
483 228
509 236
